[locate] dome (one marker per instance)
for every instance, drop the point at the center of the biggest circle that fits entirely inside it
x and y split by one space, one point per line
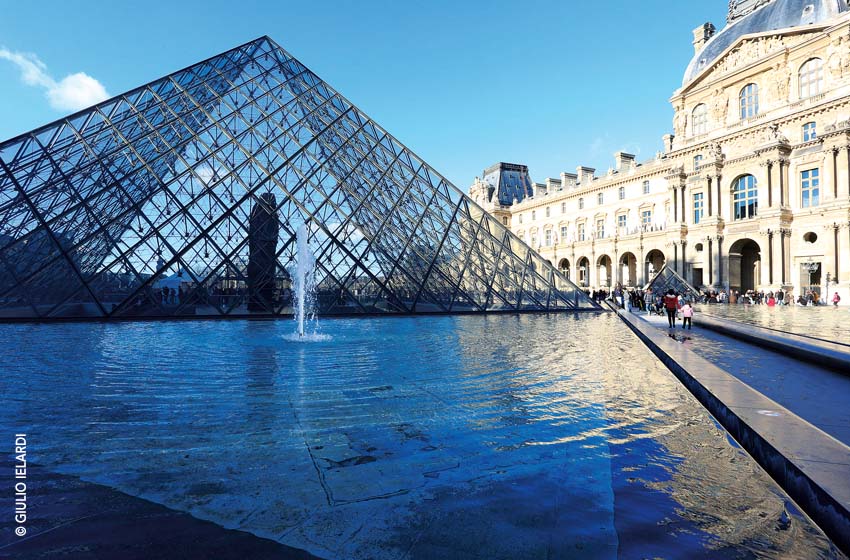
778 14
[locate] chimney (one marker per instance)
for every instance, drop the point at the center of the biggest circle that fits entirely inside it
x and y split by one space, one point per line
702 34
585 175
568 180
623 161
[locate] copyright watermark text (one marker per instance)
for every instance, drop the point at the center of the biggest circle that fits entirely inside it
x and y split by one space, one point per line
20 484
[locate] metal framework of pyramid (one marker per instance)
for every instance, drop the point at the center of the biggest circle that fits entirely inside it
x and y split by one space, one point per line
183 197
668 278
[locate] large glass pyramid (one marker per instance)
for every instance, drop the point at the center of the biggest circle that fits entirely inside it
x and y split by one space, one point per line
182 198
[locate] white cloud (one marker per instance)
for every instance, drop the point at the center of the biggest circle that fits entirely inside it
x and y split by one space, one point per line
71 93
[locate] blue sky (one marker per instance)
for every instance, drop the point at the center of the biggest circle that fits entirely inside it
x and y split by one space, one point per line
463 84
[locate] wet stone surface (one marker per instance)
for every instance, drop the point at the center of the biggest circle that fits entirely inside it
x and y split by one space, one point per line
436 437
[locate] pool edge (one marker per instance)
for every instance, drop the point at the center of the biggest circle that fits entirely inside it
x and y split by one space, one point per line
789 449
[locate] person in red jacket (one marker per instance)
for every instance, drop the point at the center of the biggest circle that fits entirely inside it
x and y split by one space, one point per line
671 304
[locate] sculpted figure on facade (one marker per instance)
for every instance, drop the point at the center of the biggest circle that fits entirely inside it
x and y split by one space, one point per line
680 121
780 82
720 105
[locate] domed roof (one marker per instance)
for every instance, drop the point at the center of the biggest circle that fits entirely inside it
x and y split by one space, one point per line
778 14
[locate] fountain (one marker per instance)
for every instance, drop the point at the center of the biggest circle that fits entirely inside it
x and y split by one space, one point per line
304 281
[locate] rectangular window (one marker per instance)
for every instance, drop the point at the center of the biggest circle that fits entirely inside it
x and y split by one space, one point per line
563 234
534 240
600 229
533 215
547 212
646 187
697 161
621 221
581 232
547 237
646 217
581 204
520 218
599 199
809 131
622 193
699 205
563 208
504 220
810 187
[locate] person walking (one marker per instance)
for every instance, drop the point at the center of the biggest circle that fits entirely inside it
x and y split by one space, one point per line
835 299
671 303
687 314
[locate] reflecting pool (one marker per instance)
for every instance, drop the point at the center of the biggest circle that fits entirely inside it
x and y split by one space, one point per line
826 322
531 436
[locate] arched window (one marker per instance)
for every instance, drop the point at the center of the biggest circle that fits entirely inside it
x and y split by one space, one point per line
745 197
810 131
749 101
699 120
811 78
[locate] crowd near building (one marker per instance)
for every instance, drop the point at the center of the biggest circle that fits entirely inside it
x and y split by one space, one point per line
752 188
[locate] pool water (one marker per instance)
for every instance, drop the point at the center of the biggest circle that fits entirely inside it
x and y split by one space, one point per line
826 322
530 436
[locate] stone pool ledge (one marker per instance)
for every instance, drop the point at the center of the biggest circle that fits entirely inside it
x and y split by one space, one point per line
810 465
832 355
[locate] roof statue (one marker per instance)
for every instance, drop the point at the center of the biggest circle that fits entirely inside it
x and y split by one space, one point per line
182 198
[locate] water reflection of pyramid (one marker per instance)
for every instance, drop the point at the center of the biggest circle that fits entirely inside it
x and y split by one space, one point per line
182 197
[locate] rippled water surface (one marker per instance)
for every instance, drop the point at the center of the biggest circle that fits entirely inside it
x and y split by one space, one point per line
824 321
534 436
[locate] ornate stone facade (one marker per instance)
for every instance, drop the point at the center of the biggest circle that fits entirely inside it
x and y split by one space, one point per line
752 190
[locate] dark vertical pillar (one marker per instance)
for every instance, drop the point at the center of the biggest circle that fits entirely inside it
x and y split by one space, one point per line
683 269
263 228
782 182
710 196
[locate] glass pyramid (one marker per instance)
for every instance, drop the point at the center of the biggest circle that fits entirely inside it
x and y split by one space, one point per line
182 198
668 278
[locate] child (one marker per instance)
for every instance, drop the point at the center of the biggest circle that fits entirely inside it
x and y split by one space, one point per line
687 313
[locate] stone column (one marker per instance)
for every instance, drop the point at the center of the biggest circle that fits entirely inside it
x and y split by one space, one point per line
718 180
684 267
844 252
712 269
675 205
785 256
783 181
768 166
720 271
640 266
709 196
676 256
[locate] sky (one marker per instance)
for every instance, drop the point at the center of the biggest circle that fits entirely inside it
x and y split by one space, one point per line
464 84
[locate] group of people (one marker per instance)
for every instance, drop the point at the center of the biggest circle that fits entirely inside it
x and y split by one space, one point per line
770 298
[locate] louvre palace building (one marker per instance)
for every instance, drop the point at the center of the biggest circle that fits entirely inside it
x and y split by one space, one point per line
752 188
